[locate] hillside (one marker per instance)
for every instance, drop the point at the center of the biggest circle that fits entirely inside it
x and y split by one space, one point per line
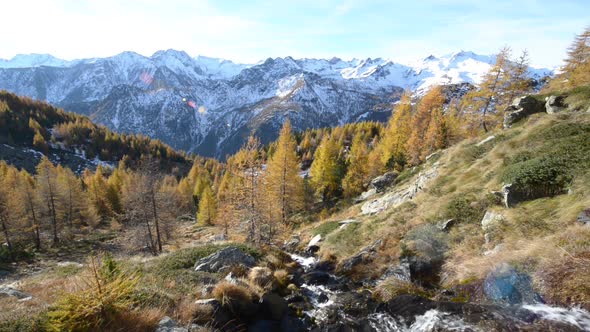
31 129
210 106
444 245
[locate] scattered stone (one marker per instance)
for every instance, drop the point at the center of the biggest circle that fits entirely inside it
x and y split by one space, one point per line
231 278
432 155
382 182
169 325
293 243
446 225
508 286
584 217
223 259
396 198
218 238
521 108
555 104
206 290
211 302
6 291
366 195
64 264
347 222
494 251
366 255
315 240
486 140
490 220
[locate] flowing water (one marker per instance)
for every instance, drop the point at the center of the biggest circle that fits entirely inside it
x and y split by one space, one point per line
323 299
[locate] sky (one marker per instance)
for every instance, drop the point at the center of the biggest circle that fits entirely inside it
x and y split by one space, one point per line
249 31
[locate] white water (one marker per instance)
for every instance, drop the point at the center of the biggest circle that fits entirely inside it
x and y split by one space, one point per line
432 320
575 316
305 262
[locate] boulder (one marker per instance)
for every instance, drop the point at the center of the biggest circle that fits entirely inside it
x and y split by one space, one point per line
366 255
292 244
584 217
169 325
506 285
317 278
381 182
6 291
486 140
445 225
490 220
272 307
512 196
521 108
555 104
222 260
366 195
400 271
313 245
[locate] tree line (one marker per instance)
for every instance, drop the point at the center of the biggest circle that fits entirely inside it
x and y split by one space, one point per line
261 191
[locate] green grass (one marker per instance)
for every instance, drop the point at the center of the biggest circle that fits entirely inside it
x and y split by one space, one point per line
186 258
325 228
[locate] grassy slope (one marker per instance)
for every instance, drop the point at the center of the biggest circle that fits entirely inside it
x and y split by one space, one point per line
540 236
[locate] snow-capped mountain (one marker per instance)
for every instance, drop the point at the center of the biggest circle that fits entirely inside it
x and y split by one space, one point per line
209 106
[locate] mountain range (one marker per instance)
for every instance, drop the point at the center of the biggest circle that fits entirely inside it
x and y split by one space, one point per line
209 106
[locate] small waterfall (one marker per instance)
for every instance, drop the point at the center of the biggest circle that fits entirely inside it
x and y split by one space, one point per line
576 316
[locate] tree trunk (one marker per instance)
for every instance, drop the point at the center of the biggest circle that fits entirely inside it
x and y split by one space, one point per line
489 101
6 234
156 223
35 225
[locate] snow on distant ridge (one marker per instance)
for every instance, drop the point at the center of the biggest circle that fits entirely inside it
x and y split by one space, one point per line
459 67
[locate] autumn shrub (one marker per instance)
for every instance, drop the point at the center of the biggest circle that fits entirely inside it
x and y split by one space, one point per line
104 298
465 208
238 298
262 277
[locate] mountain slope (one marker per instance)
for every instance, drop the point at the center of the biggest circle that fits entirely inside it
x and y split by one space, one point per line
209 106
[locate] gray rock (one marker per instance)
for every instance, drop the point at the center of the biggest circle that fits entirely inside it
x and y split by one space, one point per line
366 195
223 259
521 108
169 325
6 291
584 217
445 225
382 182
486 140
212 302
400 271
366 255
314 241
555 104
347 222
490 220
432 155
293 243
494 251
508 286
398 197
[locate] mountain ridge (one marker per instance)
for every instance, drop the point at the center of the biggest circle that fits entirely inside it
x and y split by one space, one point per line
209 106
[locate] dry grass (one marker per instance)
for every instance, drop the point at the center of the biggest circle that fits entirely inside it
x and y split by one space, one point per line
262 277
228 294
393 287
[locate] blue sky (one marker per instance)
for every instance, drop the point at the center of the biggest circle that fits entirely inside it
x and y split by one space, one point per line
249 31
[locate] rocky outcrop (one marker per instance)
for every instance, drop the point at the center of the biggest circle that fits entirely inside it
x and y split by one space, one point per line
382 182
521 108
363 257
222 260
555 104
7 291
169 325
398 197
506 285
490 220
584 217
